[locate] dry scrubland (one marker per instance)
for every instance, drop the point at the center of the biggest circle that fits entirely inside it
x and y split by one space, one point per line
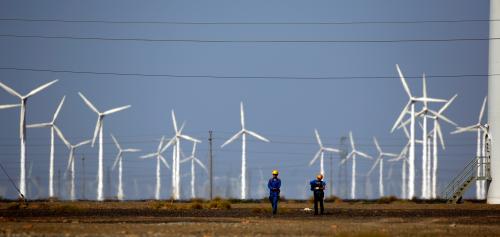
385 217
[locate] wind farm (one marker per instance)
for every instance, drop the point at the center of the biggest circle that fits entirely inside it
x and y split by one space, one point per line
257 118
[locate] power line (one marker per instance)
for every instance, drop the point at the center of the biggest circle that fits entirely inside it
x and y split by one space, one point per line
173 76
55 20
160 40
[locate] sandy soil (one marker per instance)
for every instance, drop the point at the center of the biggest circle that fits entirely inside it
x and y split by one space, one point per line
249 219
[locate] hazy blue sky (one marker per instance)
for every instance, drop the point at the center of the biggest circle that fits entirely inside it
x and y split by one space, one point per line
285 111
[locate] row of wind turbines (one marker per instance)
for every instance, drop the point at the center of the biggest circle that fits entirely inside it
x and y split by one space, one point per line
408 116
406 156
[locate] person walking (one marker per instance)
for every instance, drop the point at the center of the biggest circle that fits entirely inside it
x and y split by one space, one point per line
318 187
274 186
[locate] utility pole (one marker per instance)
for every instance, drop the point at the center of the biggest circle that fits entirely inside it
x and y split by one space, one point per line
210 163
83 177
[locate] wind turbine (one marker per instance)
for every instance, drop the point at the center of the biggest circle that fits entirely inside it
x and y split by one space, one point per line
243 133
476 128
352 155
403 157
159 158
22 127
321 152
380 162
71 158
118 161
194 160
99 130
410 106
50 125
176 140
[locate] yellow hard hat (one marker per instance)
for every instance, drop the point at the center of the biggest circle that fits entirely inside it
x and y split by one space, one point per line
319 176
275 172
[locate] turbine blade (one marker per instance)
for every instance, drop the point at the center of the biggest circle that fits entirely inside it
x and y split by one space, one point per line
432 100
116 142
318 138
96 130
401 116
10 90
174 121
88 103
131 150
446 119
465 129
83 143
170 142
186 137
201 164
61 136
364 155
186 159
148 156
112 111
9 106
402 78
39 125
316 156
58 109
373 167
116 160
482 110
242 115
162 139
352 141
445 106
440 135
403 124
165 163
40 88
254 134
377 145
234 137
331 149
424 89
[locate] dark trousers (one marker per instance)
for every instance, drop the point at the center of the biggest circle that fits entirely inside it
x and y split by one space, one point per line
274 202
318 198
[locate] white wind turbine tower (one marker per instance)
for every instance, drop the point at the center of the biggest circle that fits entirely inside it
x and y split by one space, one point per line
352 155
480 190
321 152
403 157
50 125
99 130
176 140
243 133
118 161
194 160
22 127
437 132
380 162
71 159
410 106
159 158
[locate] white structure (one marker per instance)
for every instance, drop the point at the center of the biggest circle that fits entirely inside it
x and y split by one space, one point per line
194 160
99 130
176 141
321 153
478 127
352 156
22 127
71 159
159 159
118 161
494 101
243 133
380 162
410 106
50 125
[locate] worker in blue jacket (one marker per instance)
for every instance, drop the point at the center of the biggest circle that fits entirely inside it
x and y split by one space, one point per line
274 186
318 187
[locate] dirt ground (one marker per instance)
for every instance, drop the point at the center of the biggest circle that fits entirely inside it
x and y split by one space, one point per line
246 219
